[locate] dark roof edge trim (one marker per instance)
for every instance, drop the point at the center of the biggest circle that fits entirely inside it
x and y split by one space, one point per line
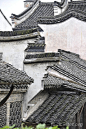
18 38
60 50
63 17
41 61
25 11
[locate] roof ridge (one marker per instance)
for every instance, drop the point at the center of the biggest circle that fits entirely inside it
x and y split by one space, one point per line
25 11
68 13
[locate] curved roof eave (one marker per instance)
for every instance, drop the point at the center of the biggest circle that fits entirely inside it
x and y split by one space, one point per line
18 35
15 38
63 17
24 12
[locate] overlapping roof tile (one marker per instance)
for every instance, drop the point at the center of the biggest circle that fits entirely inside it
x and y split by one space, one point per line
38 46
72 72
58 109
11 75
73 58
44 9
75 9
42 55
56 82
16 33
65 83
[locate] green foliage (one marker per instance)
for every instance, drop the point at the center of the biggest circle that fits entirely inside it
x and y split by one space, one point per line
55 127
39 126
9 127
67 127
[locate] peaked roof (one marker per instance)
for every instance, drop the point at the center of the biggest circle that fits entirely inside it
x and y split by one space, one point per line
70 72
56 82
75 9
12 78
11 75
43 9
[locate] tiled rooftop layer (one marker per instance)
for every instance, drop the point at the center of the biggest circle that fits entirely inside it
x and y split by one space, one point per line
16 33
11 75
64 79
77 5
35 47
56 82
44 10
25 11
73 58
58 109
16 86
75 9
43 55
71 71
38 46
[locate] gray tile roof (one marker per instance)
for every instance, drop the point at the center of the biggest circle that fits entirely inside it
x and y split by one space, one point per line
41 58
75 9
71 71
44 9
16 33
35 47
16 86
70 66
38 46
73 58
42 55
58 109
6 36
77 5
55 82
25 11
11 75
66 95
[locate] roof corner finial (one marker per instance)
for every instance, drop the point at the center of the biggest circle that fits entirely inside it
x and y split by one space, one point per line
28 3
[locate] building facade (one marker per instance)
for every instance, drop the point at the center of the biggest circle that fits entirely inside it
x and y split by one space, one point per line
13 85
39 34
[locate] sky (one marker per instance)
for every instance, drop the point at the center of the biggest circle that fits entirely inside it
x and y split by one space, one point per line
14 6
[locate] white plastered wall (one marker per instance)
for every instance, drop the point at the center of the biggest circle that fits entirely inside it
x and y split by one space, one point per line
13 52
36 71
69 35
